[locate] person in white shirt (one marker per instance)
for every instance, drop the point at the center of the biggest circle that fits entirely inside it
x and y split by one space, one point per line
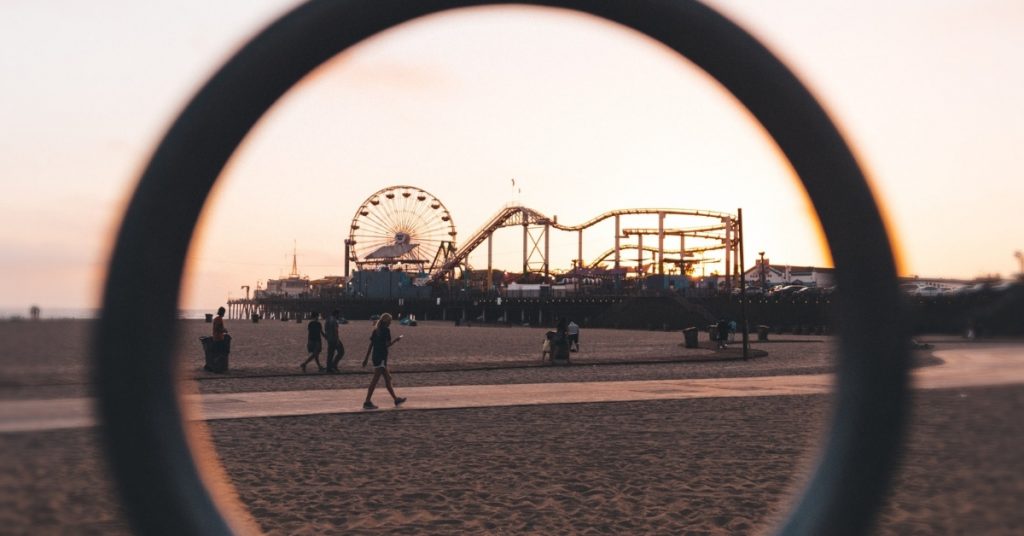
573 330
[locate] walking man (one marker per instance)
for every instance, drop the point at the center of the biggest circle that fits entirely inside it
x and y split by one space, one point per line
316 332
723 333
335 350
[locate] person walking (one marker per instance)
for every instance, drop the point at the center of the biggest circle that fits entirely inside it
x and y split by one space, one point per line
335 350
313 344
723 333
380 341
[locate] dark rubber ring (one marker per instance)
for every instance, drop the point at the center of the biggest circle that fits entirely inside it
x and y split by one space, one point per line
139 405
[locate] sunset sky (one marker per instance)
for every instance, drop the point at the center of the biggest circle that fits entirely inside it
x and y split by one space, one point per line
585 115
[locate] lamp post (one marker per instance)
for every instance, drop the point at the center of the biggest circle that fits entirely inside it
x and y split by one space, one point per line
764 284
1020 259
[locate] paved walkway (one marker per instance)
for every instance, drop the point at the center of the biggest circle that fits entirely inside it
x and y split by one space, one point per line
969 367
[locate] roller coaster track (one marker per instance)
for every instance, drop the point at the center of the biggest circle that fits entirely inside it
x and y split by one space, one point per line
706 231
690 233
520 215
506 217
636 211
654 250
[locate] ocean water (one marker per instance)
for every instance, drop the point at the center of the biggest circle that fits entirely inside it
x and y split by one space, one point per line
83 313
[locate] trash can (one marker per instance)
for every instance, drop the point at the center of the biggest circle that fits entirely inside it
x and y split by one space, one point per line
713 333
209 318
255 318
762 333
559 350
690 337
216 353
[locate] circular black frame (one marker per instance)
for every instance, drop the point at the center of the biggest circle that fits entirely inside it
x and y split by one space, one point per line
139 405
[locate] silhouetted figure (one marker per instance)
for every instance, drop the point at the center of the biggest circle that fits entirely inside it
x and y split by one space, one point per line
545 349
313 344
335 350
573 331
219 331
380 342
218 346
560 342
723 333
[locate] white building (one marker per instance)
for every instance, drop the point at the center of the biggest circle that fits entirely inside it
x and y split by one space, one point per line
909 284
291 286
288 287
787 274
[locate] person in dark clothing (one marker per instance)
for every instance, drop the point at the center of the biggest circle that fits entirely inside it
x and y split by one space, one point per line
335 350
723 333
219 345
560 342
380 342
220 333
313 344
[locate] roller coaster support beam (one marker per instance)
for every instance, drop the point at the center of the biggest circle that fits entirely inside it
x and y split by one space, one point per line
618 236
640 257
489 280
728 254
743 287
547 251
661 243
579 251
526 238
682 253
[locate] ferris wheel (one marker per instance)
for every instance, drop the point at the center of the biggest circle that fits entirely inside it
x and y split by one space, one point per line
399 225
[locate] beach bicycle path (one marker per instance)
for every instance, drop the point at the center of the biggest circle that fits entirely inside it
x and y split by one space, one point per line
964 367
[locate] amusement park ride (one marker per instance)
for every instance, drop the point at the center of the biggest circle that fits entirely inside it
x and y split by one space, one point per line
405 226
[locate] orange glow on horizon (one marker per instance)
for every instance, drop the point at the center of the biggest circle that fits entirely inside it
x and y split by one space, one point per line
459 102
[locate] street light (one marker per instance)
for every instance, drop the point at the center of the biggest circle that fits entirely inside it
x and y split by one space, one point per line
1020 259
764 284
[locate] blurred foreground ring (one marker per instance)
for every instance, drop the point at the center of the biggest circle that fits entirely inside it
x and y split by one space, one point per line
155 463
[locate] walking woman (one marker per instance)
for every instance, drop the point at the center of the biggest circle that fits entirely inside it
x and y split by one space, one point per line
380 341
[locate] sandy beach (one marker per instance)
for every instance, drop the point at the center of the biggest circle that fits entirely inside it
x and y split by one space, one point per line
48 359
702 466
